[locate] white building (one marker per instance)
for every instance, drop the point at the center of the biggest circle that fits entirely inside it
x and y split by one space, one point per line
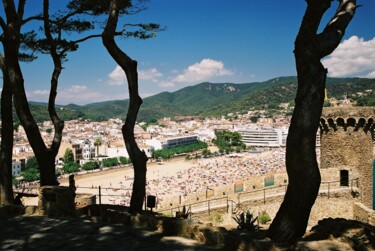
267 136
167 143
115 152
205 135
264 136
83 149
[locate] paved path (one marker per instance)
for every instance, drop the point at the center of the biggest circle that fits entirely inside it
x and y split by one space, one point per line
42 233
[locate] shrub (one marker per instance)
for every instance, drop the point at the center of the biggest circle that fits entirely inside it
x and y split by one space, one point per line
71 167
216 217
110 162
264 218
90 165
15 182
31 174
124 160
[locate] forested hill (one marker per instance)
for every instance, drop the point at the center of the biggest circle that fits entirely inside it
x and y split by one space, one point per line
208 99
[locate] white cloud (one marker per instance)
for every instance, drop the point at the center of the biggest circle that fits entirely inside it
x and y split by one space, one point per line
77 89
167 84
204 70
117 77
150 74
353 57
40 92
371 75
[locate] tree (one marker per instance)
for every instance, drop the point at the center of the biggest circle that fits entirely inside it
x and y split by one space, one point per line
12 88
6 148
129 66
71 167
68 156
32 163
304 178
97 143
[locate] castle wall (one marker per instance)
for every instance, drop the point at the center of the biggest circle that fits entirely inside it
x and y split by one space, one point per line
347 144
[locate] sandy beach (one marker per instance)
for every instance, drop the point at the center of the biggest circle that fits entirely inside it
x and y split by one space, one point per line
177 177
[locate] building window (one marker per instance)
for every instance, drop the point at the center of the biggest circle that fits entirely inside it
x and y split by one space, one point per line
344 178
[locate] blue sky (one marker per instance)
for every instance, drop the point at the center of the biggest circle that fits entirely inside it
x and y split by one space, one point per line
237 41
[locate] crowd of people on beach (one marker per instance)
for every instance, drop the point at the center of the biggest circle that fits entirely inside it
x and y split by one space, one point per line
217 171
201 174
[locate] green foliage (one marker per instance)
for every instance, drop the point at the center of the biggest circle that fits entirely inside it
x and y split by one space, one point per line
90 165
264 217
32 163
15 181
31 174
216 217
125 161
167 153
207 99
228 141
31 171
110 162
71 167
206 152
68 156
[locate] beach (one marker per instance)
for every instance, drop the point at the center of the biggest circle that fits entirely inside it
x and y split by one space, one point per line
178 177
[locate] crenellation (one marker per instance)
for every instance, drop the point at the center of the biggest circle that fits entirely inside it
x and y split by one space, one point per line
347 136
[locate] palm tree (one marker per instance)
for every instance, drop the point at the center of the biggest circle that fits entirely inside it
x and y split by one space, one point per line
97 143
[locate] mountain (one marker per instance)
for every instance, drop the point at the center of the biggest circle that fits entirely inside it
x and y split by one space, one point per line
209 99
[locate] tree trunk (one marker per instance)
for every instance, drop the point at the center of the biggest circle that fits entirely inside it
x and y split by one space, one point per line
138 157
11 42
6 189
304 177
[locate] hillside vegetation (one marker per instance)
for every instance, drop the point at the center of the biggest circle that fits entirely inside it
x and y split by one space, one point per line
213 100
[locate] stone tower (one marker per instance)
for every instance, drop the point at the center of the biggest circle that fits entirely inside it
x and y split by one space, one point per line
347 149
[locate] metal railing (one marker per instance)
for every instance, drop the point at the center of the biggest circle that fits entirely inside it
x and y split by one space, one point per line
201 206
264 193
121 196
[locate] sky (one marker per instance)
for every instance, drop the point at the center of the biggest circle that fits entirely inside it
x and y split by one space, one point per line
235 41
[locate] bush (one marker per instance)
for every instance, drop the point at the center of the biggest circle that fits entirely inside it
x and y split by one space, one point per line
264 218
124 160
32 163
31 174
110 162
71 167
15 182
216 217
90 165
167 153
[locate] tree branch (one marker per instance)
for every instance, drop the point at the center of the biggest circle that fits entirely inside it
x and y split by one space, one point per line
21 8
36 17
3 24
57 122
330 38
86 38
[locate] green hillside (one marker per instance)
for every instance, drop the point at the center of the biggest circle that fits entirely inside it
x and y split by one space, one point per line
208 99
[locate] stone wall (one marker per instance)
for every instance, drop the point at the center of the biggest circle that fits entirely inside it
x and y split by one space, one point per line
363 214
83 200
254 183
56 201
347 144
